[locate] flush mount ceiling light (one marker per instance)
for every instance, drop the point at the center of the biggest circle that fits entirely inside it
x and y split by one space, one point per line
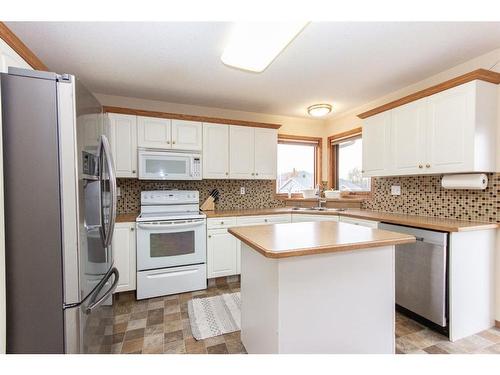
319 110
254 45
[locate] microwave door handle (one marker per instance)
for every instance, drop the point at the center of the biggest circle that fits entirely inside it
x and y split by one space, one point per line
106 151
170 226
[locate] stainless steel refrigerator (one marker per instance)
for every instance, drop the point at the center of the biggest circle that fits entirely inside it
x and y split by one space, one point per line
60 209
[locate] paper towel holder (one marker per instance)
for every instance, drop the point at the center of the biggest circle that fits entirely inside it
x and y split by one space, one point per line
469 181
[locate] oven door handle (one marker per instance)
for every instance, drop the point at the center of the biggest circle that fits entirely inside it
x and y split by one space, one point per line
171 225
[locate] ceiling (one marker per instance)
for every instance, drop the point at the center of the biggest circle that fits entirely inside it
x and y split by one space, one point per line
345 64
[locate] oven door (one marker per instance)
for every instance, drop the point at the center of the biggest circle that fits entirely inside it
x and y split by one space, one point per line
170 243
157 165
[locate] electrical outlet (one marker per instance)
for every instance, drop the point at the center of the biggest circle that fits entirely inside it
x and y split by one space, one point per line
242 190
395 190
118 191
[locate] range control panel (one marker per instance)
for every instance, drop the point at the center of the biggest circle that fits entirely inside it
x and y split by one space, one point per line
164 197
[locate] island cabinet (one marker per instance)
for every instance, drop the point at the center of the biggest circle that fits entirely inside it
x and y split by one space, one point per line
124 252
317 287
453 131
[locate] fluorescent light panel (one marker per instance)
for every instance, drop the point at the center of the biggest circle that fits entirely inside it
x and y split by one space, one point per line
254 45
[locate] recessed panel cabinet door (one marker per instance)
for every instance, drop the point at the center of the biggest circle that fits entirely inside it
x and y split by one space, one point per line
451 130
222 254
241 152
215 151
153 132
266 144
186 135
124 245
122 131
408 137
377 145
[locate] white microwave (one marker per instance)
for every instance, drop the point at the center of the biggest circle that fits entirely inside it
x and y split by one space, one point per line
169 165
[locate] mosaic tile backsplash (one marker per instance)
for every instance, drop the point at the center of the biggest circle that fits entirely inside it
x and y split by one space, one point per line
258 193
424 196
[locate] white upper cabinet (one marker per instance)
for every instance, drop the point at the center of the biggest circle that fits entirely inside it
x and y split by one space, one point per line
122 130
186 135
266 148
215 151
408 137
241 152
376 144
154 132
453 131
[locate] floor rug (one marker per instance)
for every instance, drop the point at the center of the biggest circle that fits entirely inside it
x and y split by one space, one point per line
214 316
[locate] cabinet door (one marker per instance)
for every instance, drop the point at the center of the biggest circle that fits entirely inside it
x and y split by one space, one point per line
215 151
122 131
266 148
241 152
186 135
124 245
450 130
408 137
377 145
221 253
300 218
153 132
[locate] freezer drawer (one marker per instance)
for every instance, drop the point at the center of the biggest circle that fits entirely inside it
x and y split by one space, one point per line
165 281
421 273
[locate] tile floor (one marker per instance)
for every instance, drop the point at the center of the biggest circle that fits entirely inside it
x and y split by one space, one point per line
161 325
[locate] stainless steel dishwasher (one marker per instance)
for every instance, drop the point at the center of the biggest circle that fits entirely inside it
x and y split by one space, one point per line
421 273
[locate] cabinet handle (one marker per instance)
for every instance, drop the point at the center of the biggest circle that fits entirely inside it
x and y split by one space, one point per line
420 166
427 165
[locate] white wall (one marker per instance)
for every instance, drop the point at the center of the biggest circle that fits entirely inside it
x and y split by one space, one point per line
8 57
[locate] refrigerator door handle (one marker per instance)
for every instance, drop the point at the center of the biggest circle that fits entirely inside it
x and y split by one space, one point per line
93 304
106 153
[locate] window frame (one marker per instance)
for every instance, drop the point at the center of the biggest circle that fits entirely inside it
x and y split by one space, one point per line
333 150
317 143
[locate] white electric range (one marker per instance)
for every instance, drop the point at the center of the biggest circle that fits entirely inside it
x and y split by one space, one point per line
171 243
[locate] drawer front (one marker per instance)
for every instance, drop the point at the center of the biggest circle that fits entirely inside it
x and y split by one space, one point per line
221 222
298 218
263 219
362 222
172 280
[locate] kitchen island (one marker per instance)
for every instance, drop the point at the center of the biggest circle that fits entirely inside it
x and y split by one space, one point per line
317 287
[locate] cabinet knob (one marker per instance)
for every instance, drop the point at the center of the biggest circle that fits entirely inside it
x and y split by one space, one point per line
227 173
420 166
173 142
133 171
362 171
427 165
253 174
168 142
209 236
265 220
256 174
132 229
221 222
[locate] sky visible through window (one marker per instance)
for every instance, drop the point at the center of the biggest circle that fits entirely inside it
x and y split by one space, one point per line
349 166
295 168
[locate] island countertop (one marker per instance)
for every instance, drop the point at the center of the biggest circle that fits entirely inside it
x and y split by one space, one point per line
308 238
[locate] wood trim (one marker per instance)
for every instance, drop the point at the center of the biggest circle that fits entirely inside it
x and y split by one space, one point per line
179 116
22 50
344 135
480 74
300 138
497 323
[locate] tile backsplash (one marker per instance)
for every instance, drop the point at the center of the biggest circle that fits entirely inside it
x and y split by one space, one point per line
258 193
423 195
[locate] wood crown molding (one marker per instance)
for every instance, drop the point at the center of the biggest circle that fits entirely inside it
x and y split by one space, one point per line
22 50
479 74
178 116
349 133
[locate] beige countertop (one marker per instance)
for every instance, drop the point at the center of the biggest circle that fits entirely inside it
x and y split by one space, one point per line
426 222
309 238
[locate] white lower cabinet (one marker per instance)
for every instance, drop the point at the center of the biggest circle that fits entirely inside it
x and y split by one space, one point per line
299 218
361 222
222 257
124 252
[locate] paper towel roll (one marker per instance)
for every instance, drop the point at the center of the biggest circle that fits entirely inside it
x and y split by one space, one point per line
465 181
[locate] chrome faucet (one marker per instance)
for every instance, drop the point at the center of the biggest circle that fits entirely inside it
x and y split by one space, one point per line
321 201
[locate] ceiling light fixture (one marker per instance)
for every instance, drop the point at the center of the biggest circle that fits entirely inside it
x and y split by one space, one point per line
254 45
319 110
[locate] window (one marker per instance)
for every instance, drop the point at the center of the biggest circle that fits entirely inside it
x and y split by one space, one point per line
298 163
346 162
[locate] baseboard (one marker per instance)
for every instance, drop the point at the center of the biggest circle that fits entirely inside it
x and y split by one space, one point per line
497 323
